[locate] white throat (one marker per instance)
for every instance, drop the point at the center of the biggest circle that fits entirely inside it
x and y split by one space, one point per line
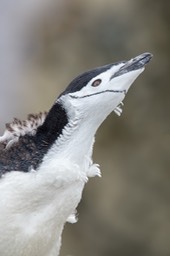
75 144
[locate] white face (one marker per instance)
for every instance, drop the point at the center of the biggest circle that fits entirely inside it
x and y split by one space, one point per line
102 94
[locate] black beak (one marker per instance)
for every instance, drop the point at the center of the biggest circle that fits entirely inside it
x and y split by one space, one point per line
134 64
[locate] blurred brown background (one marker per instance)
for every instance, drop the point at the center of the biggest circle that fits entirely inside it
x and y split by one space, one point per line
43 46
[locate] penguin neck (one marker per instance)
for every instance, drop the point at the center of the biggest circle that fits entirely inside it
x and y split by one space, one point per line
53 125
71 137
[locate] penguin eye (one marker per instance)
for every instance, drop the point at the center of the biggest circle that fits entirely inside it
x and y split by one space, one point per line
96 82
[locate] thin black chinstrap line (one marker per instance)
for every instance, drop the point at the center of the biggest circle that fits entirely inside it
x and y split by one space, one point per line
88 95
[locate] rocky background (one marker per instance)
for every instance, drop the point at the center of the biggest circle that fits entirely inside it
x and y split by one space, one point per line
44 45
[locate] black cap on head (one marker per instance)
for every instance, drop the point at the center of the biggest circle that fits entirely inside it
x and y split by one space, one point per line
79 82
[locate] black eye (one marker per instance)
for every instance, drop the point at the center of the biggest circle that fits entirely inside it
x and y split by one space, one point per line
96 82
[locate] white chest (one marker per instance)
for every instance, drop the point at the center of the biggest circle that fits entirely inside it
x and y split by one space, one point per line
36 205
